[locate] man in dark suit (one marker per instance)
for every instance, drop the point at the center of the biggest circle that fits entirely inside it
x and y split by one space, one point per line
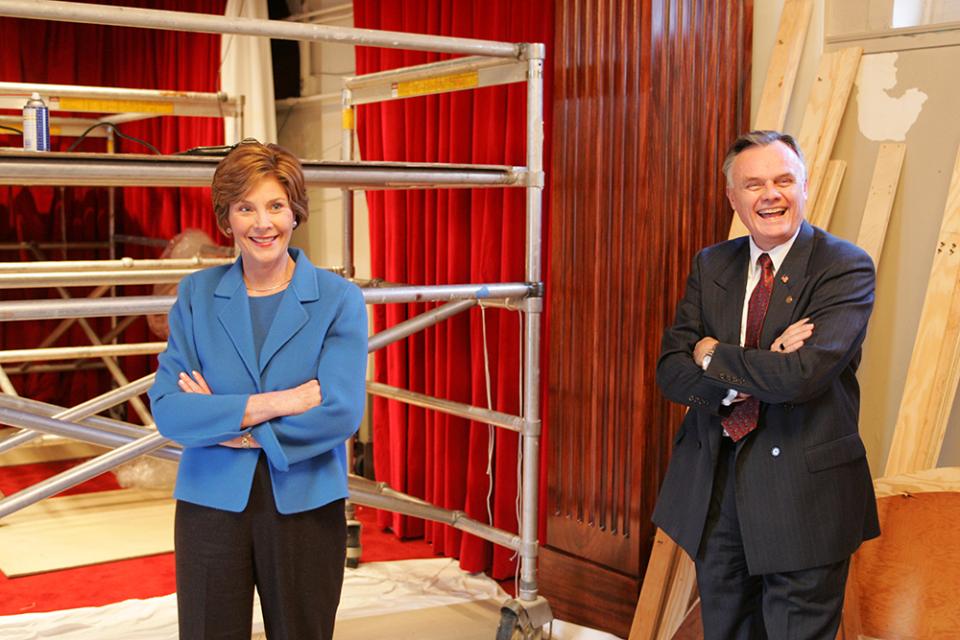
768 488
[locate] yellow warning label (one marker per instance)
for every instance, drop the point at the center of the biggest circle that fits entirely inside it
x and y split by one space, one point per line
115 106
346 121
466 80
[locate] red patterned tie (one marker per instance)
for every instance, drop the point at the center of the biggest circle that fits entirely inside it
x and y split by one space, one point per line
743 419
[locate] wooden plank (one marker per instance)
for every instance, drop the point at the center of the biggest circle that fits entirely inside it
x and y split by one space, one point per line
822 212
933 372
842 73
939 479
655 592
784 62
818 103
883 190
781 76
682 592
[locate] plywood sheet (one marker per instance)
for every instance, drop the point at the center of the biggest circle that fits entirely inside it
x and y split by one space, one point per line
74 531
934 369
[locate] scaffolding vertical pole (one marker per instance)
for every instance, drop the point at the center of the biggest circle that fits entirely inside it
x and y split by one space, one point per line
348 124
534 308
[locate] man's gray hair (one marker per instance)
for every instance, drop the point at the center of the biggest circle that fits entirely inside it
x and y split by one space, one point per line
760 139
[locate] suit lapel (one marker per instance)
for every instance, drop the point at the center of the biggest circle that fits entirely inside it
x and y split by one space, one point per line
788 284
728 304
234 316
291 316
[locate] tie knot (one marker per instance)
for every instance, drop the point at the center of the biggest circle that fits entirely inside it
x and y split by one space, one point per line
765 263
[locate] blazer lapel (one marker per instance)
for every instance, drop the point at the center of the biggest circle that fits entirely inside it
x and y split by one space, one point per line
728 305
234 316
788 284
291 316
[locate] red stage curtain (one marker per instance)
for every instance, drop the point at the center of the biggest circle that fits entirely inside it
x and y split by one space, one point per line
450 236
80 54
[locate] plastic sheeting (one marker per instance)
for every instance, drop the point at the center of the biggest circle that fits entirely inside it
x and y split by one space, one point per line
377 588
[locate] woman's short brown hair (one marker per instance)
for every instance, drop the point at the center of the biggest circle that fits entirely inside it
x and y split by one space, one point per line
248 163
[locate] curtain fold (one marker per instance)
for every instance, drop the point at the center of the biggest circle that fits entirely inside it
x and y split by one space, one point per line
93 55
450 236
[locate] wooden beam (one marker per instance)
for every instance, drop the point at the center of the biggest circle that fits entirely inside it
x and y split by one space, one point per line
934 369
883 190
821 120
784 62
657 587
822 212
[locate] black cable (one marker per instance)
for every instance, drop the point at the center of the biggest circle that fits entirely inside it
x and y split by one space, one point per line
219 150
16 131
117 131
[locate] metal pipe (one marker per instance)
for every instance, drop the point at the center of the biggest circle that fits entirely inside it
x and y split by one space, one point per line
91 351
20 310
109 425
111 93
123 264
22 246
373 495
408 327
203 23
530 441
90 407
26 369
58 427
421 71
105 170
347 124
80 473
89 278
459 409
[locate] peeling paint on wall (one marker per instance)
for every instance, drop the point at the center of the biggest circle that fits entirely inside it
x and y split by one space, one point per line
882 117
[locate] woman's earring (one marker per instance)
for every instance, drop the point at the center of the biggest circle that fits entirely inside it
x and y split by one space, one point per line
228 232
295 223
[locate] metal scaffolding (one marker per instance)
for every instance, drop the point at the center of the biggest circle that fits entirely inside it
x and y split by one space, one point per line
487 63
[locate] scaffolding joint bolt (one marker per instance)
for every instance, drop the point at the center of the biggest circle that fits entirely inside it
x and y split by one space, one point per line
532 428
533 51
536 291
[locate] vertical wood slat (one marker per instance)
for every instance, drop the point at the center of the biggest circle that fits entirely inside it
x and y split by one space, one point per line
784 62
823 211
647 96
883 190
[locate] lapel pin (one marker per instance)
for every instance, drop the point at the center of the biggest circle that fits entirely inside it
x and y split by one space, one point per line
789 299
784 279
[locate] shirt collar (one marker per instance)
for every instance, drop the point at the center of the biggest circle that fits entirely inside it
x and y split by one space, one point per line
777 254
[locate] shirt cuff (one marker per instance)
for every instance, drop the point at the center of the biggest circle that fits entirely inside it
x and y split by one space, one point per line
706 361
731 396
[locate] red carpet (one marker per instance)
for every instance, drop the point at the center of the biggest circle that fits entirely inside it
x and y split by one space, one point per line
140 577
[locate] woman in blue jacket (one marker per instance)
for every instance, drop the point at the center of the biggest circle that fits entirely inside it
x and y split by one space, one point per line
262 382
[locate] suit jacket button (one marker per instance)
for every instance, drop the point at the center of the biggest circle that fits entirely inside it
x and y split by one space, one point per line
775 452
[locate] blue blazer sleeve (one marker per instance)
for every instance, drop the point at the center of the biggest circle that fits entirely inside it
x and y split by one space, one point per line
192 419
342 375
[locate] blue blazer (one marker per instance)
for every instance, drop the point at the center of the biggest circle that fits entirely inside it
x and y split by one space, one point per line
320 331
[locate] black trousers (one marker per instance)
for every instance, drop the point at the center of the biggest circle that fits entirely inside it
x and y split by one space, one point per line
296 562
797 605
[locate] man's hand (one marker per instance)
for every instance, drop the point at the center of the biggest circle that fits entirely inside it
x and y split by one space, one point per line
793 337
703 349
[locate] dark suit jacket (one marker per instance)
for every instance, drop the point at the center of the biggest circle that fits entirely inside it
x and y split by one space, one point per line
804 493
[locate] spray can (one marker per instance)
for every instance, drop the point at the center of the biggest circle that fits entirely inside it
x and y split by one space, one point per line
36 125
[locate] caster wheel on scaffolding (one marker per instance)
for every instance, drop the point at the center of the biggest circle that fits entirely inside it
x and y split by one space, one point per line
518 622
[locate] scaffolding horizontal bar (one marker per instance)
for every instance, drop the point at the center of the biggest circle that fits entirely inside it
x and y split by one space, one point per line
459 409
47 410
63 97
457 74
111 265
90 351
22 310
379 496
91 278
206 23
126 170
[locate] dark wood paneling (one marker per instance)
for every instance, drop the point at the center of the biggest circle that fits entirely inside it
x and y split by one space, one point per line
647 96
